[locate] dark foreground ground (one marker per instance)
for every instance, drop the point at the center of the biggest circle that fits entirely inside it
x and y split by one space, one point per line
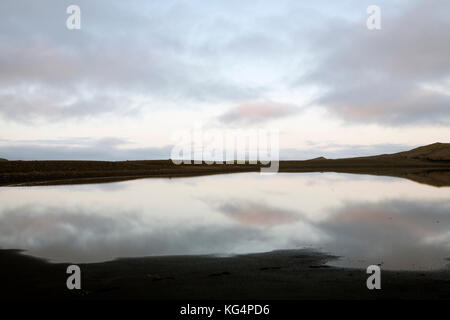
293 275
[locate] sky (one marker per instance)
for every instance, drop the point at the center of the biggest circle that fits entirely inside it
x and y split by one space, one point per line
139 71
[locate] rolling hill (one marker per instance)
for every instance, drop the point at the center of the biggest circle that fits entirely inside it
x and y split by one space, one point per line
432 152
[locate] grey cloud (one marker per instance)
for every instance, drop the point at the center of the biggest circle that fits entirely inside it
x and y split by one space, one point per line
115 149
107 149
49 72
193 51
53 104
386 76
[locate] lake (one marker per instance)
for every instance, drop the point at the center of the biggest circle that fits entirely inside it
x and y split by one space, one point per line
362 219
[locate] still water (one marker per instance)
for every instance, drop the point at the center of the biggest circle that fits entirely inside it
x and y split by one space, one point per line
363 219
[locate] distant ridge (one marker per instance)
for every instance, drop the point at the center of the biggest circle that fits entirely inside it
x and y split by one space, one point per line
2 159
428 164
433 152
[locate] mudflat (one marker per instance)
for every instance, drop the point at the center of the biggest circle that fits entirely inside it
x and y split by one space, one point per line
291 275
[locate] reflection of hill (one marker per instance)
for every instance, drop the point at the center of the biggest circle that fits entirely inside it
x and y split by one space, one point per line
438 176
434 178
429 164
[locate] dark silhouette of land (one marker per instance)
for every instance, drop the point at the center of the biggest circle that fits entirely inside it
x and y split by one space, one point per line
429 164
287 274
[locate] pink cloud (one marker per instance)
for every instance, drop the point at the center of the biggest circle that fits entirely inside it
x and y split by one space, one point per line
257 112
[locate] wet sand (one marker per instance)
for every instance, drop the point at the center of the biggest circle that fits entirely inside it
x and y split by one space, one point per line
287 275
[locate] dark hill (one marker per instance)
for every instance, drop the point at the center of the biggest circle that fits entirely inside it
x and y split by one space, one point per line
432 152
318 158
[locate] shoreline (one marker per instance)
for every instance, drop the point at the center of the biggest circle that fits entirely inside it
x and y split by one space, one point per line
278 275
34 173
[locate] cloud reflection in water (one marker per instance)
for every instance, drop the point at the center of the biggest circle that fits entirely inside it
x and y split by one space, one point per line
397 222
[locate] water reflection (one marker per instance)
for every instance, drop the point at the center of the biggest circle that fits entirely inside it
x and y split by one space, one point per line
257 214
364 219
399 234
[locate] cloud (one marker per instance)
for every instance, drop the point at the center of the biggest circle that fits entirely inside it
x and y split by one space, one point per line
116 149
106 149
133 58
120 57
257 112
397 75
